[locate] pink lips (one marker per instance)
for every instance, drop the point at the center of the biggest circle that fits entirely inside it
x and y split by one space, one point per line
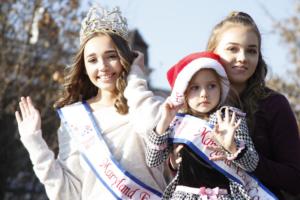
239 67
204 103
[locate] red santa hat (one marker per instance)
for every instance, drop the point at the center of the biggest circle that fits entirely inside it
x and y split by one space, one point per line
181 73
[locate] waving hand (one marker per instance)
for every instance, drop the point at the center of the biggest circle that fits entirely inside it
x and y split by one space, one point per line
29 121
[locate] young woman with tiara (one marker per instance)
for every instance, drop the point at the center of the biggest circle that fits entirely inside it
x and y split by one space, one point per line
271 121
101 137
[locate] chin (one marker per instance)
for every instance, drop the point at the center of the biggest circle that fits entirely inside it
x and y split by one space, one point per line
109 88
239 79
203 111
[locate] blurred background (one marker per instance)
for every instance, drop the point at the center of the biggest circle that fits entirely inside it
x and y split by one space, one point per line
38 39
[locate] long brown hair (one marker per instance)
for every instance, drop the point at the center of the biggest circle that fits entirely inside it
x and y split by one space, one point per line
78 87
255 89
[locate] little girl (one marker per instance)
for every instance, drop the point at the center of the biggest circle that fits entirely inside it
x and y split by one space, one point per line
199 87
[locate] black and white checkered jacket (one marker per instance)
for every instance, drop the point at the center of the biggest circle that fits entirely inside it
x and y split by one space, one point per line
158 149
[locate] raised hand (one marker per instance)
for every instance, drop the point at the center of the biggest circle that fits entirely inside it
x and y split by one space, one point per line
224 131
168 112
30 120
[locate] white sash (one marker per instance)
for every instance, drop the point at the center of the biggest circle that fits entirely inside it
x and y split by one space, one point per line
79 120
195 133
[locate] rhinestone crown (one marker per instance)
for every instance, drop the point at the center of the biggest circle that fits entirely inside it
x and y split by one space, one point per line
99 19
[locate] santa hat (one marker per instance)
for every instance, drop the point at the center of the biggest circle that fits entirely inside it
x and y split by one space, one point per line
181 73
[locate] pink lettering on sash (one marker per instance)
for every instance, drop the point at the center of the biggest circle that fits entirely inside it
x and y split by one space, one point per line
228 162
113 177
178 97
201 137
252 189
215 153
145 196
203 133
119 183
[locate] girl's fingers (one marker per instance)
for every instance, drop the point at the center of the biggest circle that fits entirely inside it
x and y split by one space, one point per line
216 158
233 118
22 108
18 117
30 105
178 160
29 101
178 149
26 107
176 152
216 129
213 148
237 124
226 114
219 118
171 105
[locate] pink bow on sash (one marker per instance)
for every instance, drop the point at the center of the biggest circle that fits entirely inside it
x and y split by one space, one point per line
211 194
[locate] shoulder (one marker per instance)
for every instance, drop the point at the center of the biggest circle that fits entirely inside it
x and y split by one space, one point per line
275 107
70 106
274 101
74 104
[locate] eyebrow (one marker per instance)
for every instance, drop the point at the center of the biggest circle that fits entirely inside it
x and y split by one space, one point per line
90 55
106 52
110 51
234 43
209 81
253 45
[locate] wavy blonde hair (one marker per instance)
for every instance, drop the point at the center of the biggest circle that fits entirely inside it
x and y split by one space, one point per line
78 87
255 89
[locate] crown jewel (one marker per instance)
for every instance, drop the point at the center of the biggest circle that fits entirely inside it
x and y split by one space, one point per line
99 19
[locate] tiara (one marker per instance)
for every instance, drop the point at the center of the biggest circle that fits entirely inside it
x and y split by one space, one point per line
99 19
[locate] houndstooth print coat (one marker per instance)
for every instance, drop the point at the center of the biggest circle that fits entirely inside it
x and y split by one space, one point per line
158 149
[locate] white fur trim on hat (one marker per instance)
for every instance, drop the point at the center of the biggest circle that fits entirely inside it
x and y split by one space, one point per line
185 75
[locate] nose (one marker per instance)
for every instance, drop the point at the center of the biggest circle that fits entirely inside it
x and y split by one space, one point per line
241 57
102 65
203 93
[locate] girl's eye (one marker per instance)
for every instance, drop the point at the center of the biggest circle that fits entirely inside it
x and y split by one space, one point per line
113 56
212 86
92 60
194 87
252 51
232 49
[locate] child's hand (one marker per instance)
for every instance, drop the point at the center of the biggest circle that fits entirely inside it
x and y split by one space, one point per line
224 131
30 120
168 112
175 158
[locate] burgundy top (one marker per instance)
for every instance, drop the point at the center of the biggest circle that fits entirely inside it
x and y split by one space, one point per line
276 139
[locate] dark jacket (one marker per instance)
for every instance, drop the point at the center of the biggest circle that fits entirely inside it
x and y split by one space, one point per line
276 139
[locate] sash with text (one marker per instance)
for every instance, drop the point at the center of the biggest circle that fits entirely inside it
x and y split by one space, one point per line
80 121
196 133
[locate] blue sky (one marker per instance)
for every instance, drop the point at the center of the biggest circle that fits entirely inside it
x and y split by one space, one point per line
174 28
